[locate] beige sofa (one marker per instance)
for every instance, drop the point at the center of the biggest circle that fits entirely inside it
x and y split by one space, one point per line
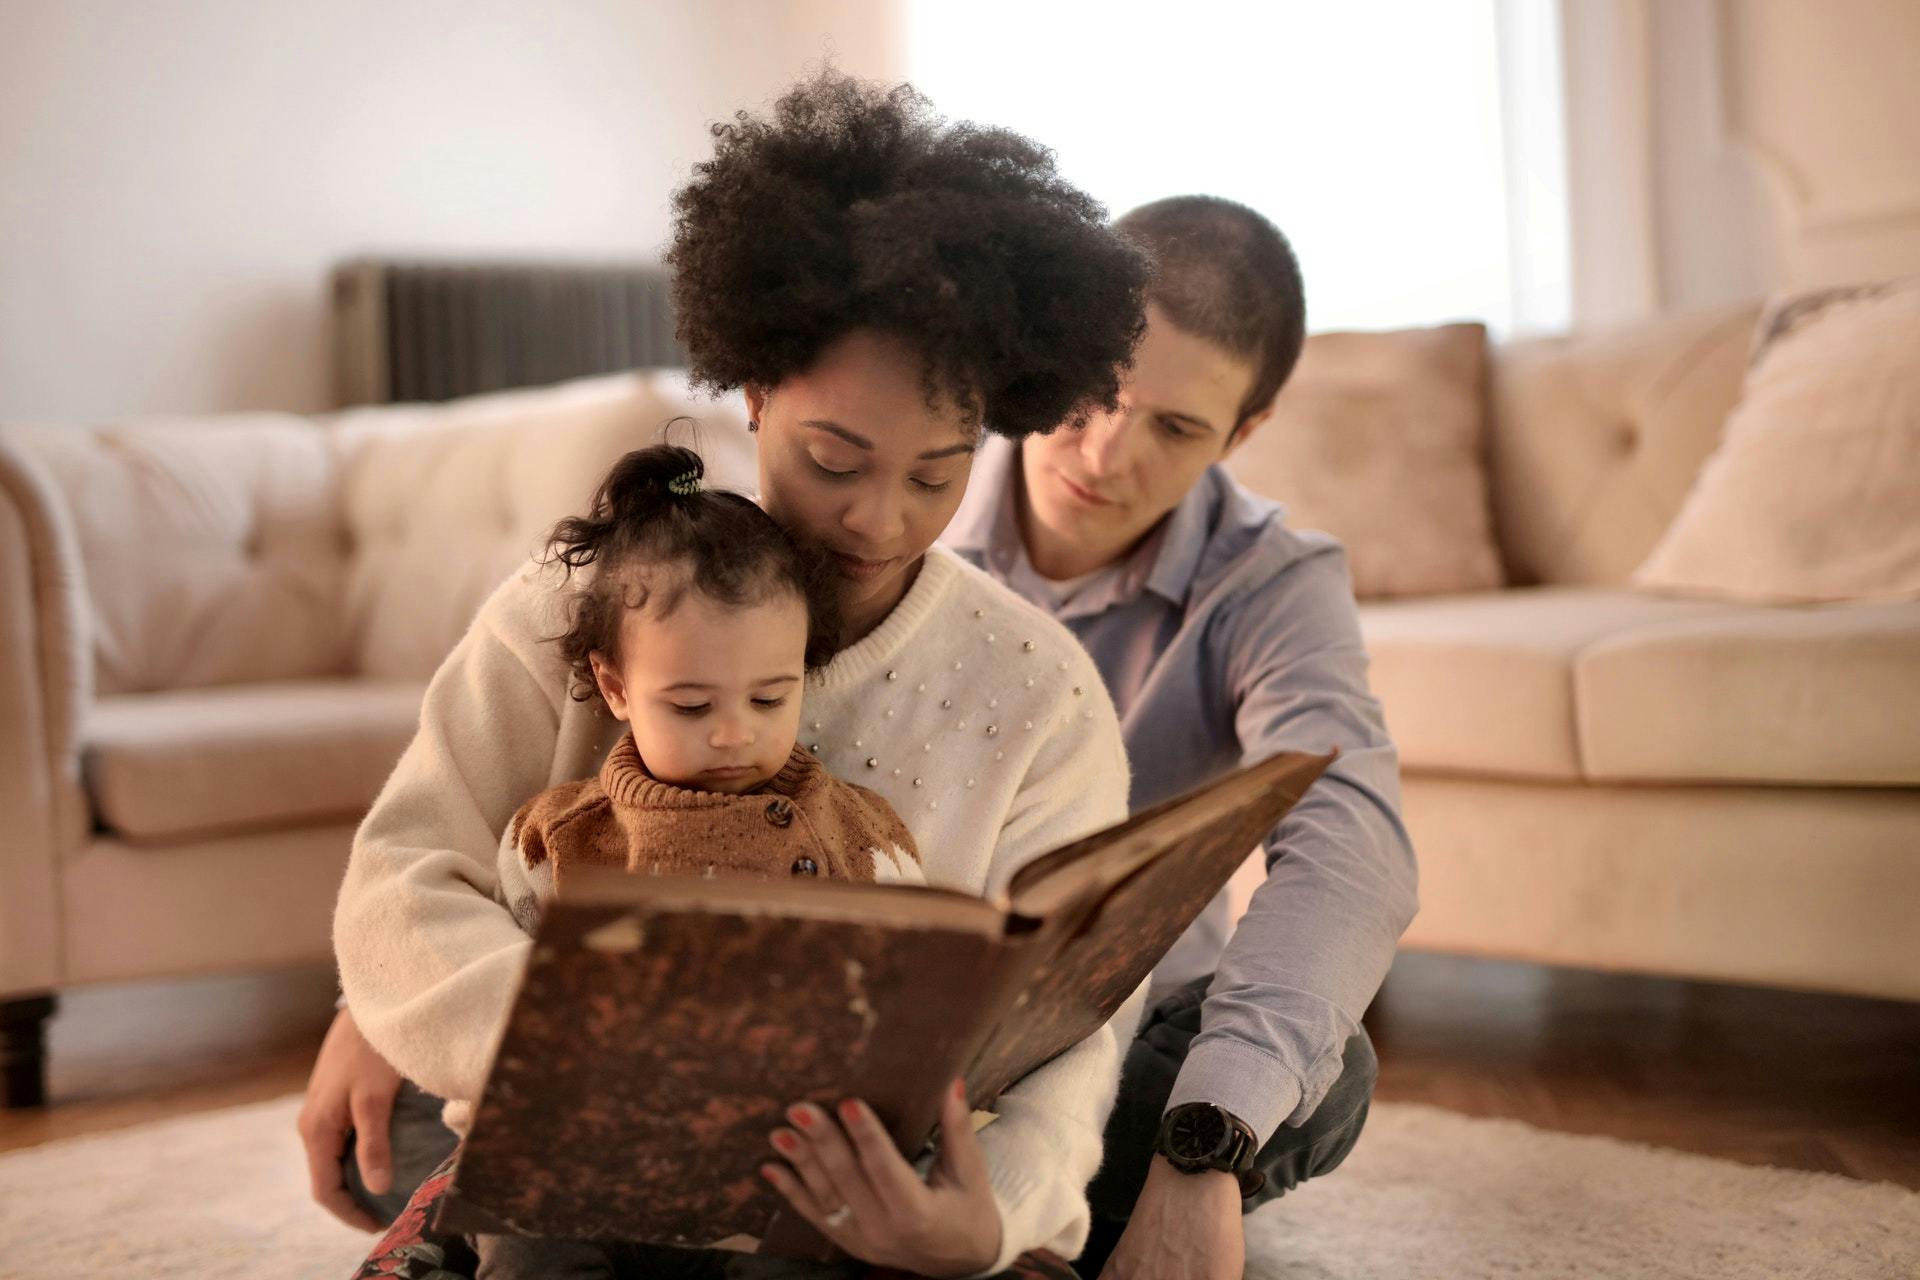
215 633
1602 778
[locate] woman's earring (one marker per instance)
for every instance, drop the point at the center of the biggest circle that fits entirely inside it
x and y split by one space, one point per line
753 426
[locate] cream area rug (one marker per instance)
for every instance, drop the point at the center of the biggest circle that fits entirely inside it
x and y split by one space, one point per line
1425 1194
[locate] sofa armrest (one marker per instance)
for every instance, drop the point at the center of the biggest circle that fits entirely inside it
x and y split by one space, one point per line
45 680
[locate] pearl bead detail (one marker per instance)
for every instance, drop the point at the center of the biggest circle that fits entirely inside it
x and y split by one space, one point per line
1028 645
1077 691
872 763
958 664
990 637
979 613
969 784
946 703
993 731
916 782
893 675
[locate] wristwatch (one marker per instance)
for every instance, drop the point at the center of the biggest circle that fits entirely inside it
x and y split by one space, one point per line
1197 1137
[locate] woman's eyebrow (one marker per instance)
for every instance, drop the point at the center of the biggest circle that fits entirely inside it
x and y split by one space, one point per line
861 442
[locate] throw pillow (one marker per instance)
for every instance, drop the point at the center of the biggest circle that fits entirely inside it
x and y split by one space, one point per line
1380 439
1814 492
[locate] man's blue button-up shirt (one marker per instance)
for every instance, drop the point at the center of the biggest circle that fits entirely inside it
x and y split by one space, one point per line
1224 638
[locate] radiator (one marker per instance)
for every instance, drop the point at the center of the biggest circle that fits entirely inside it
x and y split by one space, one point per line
435 330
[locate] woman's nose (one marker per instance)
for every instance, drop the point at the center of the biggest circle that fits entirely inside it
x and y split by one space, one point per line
875 518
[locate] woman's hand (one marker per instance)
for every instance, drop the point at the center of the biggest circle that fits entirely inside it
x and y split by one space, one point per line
851 1183
351 1087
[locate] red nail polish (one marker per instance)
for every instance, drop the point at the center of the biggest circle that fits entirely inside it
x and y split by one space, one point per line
800 1116
850 1111
960 1090
786 1142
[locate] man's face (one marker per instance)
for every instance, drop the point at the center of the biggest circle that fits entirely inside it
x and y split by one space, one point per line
1093 492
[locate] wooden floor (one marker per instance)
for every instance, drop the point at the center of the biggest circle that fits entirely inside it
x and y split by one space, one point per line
1764 1077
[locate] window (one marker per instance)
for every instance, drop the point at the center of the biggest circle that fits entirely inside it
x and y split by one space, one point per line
1410 149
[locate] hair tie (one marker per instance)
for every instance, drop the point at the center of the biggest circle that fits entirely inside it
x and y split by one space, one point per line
684 484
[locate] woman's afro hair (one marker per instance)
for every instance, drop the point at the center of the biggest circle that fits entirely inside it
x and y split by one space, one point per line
858 207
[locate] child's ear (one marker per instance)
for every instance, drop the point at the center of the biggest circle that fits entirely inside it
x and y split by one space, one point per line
612 687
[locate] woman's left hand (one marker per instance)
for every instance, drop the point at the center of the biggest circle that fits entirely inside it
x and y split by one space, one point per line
849 1181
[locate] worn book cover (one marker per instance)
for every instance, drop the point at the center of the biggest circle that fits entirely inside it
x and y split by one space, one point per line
664 1024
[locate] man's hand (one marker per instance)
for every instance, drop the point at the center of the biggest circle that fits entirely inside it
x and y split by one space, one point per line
1185 1226
850 1181
351 1087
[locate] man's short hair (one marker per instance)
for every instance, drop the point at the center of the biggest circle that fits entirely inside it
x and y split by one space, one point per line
1225 273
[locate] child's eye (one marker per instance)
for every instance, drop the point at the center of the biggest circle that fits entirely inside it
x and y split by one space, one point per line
770 703
696 709
1174 429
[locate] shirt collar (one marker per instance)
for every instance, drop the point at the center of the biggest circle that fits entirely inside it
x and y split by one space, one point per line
987 526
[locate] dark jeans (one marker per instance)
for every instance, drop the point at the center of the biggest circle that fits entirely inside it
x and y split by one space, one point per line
1290 1156
419 1142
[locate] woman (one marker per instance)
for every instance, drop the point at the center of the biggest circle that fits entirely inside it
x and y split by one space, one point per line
880 286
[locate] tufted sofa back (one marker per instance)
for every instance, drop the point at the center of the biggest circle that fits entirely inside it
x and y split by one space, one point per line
251 547
442 502
1597 439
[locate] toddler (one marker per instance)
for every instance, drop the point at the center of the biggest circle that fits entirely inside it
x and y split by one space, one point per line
695 620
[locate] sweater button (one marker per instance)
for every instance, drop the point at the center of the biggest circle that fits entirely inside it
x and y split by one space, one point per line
805 867
780 812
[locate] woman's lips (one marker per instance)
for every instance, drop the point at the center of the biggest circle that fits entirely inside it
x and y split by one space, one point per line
858 569
1084 495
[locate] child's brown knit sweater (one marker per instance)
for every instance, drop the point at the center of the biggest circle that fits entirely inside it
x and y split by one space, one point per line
802 822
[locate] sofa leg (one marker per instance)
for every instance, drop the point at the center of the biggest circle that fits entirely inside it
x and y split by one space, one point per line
23 1051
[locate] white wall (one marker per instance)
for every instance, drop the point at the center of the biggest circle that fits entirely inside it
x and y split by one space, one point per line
1786 149
176 179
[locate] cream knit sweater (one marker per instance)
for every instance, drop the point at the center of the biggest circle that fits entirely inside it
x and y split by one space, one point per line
980 719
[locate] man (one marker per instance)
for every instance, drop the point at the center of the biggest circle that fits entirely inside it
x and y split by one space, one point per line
1224 638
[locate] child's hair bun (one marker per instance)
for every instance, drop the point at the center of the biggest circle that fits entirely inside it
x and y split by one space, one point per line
652 511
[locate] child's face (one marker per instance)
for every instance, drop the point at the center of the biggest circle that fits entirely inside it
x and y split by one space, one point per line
711 691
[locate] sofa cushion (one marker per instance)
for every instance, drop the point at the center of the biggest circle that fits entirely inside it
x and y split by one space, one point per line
1827 696
1484 683
1381 440
444 501
167 766
1597 440
214 549
1814 493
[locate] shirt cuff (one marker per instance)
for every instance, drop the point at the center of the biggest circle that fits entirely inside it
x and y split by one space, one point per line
1253 1085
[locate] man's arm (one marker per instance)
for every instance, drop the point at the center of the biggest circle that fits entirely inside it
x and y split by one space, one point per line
1319 935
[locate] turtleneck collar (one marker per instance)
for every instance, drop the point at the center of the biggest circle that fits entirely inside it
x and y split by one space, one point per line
628 783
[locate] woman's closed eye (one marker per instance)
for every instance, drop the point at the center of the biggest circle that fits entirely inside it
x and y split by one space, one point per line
768 704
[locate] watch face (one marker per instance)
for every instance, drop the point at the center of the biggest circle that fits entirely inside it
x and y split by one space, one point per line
1197 1133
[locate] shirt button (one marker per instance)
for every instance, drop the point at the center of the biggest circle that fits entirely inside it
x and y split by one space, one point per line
780 812
805 867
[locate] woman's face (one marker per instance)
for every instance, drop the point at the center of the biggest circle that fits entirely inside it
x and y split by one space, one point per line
853 458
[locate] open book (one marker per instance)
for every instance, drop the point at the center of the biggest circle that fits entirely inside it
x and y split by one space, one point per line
663 1024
